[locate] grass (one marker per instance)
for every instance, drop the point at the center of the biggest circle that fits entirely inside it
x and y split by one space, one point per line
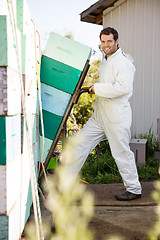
100 166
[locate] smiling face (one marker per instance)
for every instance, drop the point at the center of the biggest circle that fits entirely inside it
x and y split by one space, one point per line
109 45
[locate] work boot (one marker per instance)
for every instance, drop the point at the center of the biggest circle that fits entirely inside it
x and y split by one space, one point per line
127 196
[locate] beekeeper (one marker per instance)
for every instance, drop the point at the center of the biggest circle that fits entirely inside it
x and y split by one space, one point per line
112 116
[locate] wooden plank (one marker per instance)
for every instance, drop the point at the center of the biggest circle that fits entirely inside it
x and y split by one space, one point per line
13 180
30 54
35 149
15 221
47 144
10 185
10 138
13 138
67 51
94 13
54 100
3 140
3 42
3 90
13 92
35 128
26 196
23 16
3 190
4 225
10 102
30 94
8 46
23 53
3 7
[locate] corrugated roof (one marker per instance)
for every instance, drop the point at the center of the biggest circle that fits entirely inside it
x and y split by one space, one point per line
94 13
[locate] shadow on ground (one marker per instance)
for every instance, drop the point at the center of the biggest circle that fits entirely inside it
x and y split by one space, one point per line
132 219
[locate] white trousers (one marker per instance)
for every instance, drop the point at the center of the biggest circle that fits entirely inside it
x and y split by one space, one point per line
118 135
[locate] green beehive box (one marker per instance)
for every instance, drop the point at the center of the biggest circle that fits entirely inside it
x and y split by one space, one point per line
62 73
10 138
59 75
51 124
67 51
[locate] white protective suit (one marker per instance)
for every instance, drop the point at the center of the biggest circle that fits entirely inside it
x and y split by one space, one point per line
112 119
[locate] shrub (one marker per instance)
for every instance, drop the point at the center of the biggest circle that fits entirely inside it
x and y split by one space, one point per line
100 166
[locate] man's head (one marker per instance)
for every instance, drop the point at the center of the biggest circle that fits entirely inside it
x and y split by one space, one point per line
109 40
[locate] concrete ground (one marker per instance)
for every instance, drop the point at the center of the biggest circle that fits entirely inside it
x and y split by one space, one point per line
132 219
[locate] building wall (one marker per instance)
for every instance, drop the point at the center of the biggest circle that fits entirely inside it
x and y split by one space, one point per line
137 22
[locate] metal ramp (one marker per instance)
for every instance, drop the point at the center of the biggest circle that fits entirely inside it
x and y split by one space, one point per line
64 65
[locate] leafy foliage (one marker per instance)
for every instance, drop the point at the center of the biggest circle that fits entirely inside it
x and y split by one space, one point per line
83 110
100 166
152 143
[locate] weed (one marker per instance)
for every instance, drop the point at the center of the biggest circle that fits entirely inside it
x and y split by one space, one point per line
100 166
152 143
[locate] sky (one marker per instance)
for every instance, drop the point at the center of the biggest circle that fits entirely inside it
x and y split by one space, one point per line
63 17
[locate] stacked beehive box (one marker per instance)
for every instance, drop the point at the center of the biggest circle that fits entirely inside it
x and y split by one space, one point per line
62 66
19 49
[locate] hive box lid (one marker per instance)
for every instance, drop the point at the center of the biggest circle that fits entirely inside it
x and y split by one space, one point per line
67 51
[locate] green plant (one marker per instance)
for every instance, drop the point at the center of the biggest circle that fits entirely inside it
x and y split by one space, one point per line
152 143
83 110
100 166
154 233
70 204
149 170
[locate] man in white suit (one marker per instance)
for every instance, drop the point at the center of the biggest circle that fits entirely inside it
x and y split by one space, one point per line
112 116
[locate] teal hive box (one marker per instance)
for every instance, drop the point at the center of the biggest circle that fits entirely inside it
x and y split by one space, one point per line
59 75
62 69
10 138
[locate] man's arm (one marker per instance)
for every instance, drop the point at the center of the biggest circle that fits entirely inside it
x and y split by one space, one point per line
122 85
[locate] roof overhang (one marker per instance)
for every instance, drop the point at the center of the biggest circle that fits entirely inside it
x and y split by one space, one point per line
94 14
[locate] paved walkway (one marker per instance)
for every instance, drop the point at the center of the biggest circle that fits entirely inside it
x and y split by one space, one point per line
131 220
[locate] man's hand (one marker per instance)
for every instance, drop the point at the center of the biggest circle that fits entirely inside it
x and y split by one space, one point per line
91 90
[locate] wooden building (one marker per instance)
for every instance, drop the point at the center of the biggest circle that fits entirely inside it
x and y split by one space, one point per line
137 22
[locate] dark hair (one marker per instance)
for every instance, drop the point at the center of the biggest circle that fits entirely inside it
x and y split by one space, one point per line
108 31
